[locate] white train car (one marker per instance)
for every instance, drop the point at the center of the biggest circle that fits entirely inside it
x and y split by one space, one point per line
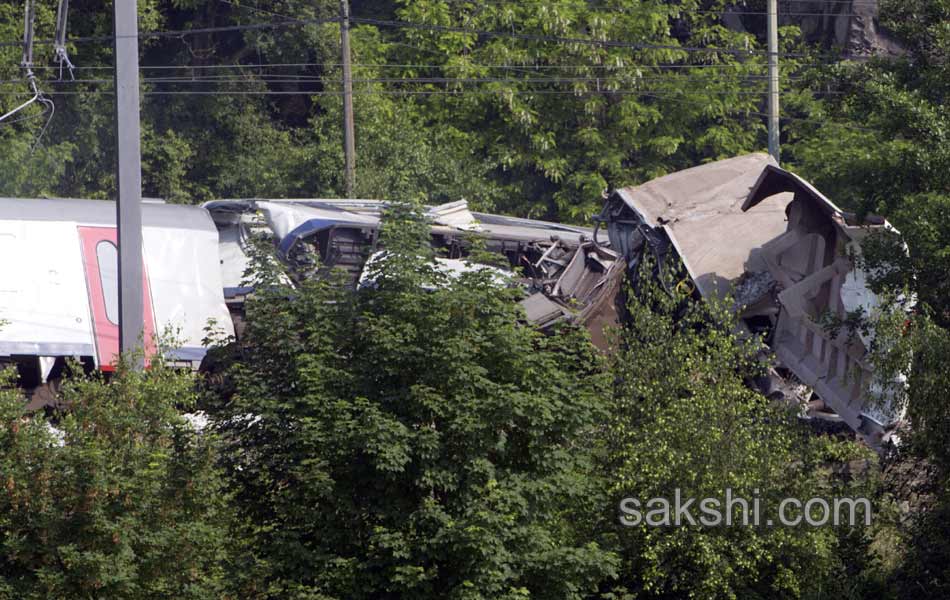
59 284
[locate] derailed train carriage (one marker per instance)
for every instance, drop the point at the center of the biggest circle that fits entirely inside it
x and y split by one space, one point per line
566 273
788 255
59 281
741 226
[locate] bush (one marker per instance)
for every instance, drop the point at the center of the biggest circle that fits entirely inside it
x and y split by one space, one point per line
120 499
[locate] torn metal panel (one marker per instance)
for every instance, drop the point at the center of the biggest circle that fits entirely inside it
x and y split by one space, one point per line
787 261
585 288
559 263
543 311
454 214
818 282
296 223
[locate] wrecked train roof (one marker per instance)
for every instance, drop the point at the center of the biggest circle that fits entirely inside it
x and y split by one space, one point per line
295 222
788 253
701 210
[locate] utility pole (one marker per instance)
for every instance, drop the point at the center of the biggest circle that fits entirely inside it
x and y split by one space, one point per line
349 137
128 176
773 79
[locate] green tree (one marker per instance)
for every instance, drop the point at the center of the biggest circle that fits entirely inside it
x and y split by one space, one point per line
120 500
880 143
413 439
915 347
526 122
562 121
684 419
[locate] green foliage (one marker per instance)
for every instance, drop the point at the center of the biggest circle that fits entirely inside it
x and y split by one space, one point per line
684 419
929 384
923 571
120 500
917 347
410 441
559 123
420 443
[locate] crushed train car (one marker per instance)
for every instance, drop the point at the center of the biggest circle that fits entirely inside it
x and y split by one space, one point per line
59 296
747 227
567 274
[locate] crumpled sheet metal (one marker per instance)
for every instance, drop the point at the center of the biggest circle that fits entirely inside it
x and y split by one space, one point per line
745 226
701 212
819 284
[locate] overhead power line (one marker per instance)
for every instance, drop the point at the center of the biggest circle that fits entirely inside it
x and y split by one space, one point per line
185 32
324 92
426 26
269 79
563 40
444 66
443 92
44 112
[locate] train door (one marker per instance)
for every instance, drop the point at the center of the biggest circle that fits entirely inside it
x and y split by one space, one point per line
101 265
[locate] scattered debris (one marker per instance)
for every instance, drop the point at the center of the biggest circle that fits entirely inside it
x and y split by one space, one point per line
197 420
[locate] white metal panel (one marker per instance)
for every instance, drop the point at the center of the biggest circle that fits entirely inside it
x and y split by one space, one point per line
234 261
185 278
43 295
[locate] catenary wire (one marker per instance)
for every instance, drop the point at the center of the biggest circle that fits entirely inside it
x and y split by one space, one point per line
410 24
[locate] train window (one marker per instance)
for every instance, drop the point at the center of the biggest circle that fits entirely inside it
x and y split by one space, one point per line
108 257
